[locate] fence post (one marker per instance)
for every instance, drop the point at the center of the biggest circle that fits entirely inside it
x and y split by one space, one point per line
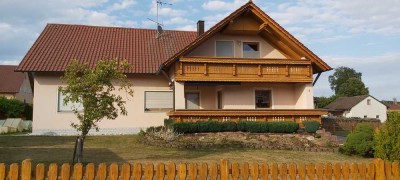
379 169
2 171
224 170
26 169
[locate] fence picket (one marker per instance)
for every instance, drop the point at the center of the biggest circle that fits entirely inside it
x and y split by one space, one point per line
149 172
2 171
379 169
39 172
244 171
354 171
52 173
346 171
274 171
283 171
395 171
102 171
328 171
182 171
388 170
302 171
89 172
113 171
371 171
320 171
224 170
362 171
311 171
292 171
126 171
264 171
65 171
254 171
337 171
13 173
214 171
171 171
235 171
137 171
26 170
203 171
193 171
160 173
78 171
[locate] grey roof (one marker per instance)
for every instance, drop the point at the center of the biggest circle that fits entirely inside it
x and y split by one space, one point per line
345 103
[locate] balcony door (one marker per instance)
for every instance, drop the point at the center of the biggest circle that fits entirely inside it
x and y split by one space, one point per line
192 100
263 99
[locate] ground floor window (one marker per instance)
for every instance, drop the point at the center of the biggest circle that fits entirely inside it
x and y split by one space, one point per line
69 106
192 100
158 100
263 98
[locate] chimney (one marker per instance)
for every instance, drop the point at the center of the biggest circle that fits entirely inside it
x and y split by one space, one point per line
200 27
394 101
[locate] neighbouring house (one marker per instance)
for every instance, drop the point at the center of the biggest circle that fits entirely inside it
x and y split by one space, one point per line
246 67
393 106
365 106
15 84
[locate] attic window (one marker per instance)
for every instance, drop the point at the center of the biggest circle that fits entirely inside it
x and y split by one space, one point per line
251 50
368 101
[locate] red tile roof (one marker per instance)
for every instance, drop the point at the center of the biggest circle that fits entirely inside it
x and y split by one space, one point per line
58 44
393 107
10 81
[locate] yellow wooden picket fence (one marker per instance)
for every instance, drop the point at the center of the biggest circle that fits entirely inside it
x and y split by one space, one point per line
224 170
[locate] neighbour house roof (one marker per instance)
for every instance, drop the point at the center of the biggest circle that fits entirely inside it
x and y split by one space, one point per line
346 103
59 44
10 81
268 25
393 107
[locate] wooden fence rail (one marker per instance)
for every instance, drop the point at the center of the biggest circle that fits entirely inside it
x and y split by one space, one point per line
377 169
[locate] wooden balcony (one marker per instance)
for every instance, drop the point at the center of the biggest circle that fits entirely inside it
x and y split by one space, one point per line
243 70
294 115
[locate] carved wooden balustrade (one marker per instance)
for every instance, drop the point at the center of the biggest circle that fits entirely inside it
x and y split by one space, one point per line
243 70
236 115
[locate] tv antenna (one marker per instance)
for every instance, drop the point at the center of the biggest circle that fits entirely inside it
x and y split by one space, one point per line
160 30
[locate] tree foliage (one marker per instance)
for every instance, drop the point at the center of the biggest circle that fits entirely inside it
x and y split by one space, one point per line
388 138
11 108
93 89
321 102
360 142
347 82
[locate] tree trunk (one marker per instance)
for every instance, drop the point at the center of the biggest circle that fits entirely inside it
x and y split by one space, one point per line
78 155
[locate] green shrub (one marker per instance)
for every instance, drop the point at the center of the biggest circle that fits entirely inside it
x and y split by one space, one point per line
185 127
311 126
168 122
283 127
209 126
387 139
241 126
360 142
229 126
12 108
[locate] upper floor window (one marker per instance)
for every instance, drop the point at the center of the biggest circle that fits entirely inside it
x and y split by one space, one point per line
368 101
263 99
251 50
224 49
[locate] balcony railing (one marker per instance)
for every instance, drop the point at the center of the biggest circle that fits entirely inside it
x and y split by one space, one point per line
243 70
236 115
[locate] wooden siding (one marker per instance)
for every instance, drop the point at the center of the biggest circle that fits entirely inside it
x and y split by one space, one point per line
378 169
247 115
243 70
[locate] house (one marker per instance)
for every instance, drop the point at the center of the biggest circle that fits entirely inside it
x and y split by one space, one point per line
246 67
365 106
15 84
393 106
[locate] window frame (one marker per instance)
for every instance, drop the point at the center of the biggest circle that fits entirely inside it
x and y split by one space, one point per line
147 110
233 48
271 98
259 48
59 94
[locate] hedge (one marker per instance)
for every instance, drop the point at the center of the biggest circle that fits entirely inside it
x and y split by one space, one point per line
311 126
244 126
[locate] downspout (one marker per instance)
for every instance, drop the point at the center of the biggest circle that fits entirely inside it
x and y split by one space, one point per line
316 79
170 82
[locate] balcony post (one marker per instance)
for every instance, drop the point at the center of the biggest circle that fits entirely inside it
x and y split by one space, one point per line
179 95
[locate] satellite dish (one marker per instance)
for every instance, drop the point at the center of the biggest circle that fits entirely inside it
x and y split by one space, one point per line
160 30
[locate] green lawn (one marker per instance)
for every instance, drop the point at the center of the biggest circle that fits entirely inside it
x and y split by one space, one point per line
127 149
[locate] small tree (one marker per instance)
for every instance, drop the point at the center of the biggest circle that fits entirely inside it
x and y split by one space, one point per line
93 89
360 142
387 145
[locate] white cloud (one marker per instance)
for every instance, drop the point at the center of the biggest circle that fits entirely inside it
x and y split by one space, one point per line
178 20
122 5
217 5
186 28
165 10
9 62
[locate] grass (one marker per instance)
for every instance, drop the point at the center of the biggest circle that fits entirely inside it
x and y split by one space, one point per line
59 149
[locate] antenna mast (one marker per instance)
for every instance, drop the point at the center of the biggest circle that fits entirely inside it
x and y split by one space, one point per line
159 4
160 31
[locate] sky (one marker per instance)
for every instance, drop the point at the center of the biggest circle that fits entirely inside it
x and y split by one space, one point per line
360 34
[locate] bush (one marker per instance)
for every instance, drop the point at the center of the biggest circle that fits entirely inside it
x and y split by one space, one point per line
229 126
387 139
168 122
283 127
360 142
185 127
311 126
12 108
